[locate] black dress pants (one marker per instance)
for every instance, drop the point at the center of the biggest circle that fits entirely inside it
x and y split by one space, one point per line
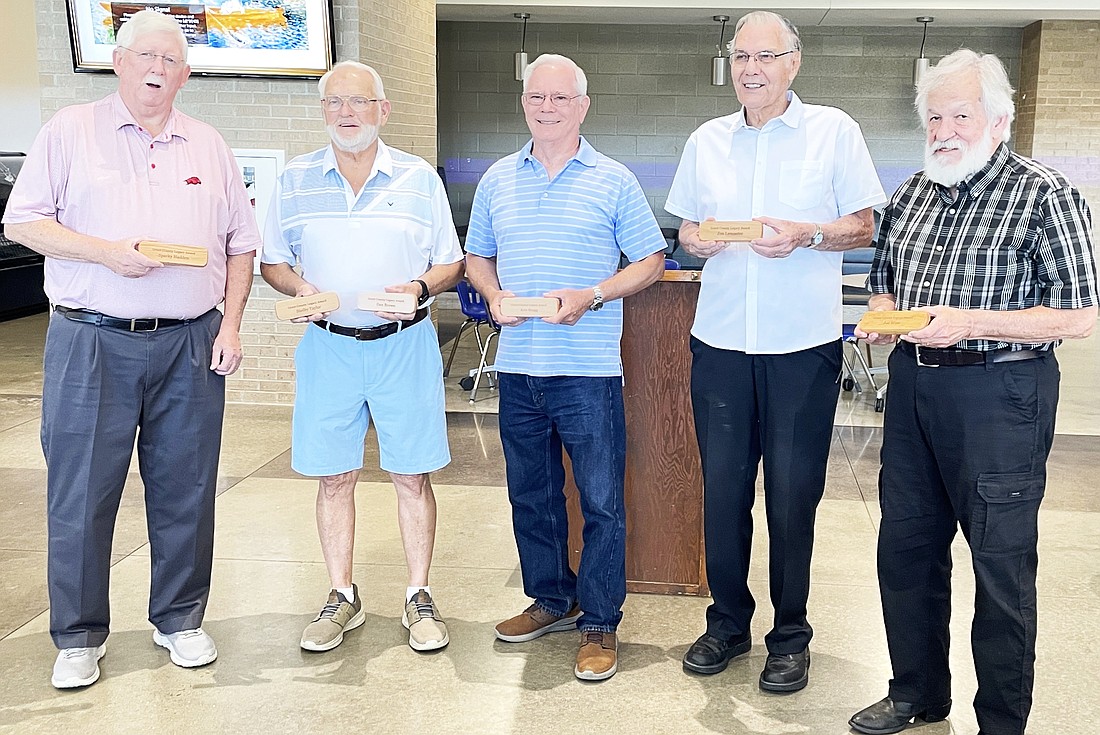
779 408
966 447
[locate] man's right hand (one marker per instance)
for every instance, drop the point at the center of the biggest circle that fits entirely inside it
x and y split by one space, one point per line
690 241
122 257
878 302
494 309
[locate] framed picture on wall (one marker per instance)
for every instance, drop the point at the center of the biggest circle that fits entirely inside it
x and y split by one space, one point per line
237 38
260 169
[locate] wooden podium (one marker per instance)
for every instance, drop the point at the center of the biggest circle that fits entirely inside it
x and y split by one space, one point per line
664 480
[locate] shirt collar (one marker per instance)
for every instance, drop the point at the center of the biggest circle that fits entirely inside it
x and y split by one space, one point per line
973 185
585 155
383 161
791 117
175 126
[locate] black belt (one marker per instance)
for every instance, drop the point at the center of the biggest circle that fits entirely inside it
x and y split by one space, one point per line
365 334
115 322
932 357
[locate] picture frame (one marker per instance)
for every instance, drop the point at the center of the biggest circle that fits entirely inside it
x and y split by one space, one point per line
260 168
235 38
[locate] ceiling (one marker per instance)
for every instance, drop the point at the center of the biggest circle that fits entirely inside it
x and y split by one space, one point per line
895 13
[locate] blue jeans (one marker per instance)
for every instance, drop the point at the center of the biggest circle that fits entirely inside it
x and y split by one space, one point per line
538 416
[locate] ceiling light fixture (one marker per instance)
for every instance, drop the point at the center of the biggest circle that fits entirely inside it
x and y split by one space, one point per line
921 64
720 64
521 55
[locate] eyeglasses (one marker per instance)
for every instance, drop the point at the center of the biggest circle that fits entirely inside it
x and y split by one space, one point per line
534 99
148 57
740 58
355 102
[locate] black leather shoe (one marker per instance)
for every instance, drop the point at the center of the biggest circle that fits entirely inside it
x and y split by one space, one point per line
887 716
709 655
786 672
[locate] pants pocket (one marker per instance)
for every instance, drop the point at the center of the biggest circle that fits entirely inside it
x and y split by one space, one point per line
1007 515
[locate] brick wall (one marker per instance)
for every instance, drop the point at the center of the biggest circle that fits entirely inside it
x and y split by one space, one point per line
1059 102
397 37
650 88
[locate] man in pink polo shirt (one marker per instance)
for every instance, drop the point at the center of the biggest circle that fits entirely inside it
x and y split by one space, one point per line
134 347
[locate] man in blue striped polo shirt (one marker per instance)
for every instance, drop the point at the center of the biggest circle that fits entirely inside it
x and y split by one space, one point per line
552 220
358 216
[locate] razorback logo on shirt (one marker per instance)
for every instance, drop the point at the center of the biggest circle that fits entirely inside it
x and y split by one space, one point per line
192 180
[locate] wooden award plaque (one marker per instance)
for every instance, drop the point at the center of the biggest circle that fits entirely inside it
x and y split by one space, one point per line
318 303
529 306
894 322
396 303
172 254
730 231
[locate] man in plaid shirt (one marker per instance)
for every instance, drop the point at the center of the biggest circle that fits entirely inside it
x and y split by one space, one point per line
998 249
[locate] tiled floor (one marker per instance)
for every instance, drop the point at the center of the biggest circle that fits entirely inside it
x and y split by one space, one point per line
269 580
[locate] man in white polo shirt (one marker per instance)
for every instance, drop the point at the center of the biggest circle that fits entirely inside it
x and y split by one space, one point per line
359 216
552 220
766 339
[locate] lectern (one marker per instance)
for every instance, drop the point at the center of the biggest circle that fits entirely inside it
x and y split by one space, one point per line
664 480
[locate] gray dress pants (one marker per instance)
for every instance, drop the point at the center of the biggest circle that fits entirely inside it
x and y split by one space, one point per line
102 387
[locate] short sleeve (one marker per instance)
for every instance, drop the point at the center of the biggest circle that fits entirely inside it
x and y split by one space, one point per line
683 196
480 238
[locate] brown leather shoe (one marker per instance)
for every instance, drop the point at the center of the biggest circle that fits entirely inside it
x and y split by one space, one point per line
534 622
598 657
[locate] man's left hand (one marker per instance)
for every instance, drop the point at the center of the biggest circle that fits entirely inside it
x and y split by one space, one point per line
575 303
788 237
227 352
949 326
410 288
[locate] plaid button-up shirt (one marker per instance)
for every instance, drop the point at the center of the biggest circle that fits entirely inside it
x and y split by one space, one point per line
1018 235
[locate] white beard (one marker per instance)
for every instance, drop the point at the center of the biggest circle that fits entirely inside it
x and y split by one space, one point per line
362 140
974 158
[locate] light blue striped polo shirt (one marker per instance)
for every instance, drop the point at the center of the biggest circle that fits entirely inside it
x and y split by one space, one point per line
565 233
390 232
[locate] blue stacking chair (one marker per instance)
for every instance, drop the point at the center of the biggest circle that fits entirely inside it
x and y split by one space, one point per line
476 311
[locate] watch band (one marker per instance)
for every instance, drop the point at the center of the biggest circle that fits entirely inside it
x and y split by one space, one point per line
597 299
425 292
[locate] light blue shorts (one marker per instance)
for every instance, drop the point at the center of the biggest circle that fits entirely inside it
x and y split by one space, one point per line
343 384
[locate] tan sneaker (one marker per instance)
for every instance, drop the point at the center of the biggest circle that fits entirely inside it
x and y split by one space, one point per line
337 617
598 657
534 622
427 631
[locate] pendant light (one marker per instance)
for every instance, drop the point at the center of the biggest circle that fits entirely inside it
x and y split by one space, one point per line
720 64
921 64
521 55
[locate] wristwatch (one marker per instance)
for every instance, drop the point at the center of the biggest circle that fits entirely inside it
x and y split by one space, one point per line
425 293
816 238
597 299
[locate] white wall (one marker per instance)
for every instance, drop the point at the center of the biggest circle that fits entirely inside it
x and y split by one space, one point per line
20 115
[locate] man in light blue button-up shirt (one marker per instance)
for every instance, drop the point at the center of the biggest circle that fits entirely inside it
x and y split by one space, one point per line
552 220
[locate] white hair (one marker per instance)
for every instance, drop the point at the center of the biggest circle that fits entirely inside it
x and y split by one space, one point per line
764 17
379 91
145 22
996 89
582 80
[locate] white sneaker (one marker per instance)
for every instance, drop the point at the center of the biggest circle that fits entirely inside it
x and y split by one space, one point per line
77 667
188 648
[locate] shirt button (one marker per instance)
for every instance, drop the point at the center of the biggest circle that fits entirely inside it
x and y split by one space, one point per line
927 283
951 211
150 145
152 165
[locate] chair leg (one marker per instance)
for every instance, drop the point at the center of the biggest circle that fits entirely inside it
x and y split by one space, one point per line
454 347
866 368
481 366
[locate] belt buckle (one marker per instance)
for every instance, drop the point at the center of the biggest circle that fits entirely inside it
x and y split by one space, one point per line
916 349
133 325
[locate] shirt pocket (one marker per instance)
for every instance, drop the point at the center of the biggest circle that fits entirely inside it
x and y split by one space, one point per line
801 183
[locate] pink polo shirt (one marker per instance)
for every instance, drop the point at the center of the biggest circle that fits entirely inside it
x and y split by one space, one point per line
95 171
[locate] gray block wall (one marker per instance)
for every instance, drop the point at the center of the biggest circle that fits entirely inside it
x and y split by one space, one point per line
650 88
